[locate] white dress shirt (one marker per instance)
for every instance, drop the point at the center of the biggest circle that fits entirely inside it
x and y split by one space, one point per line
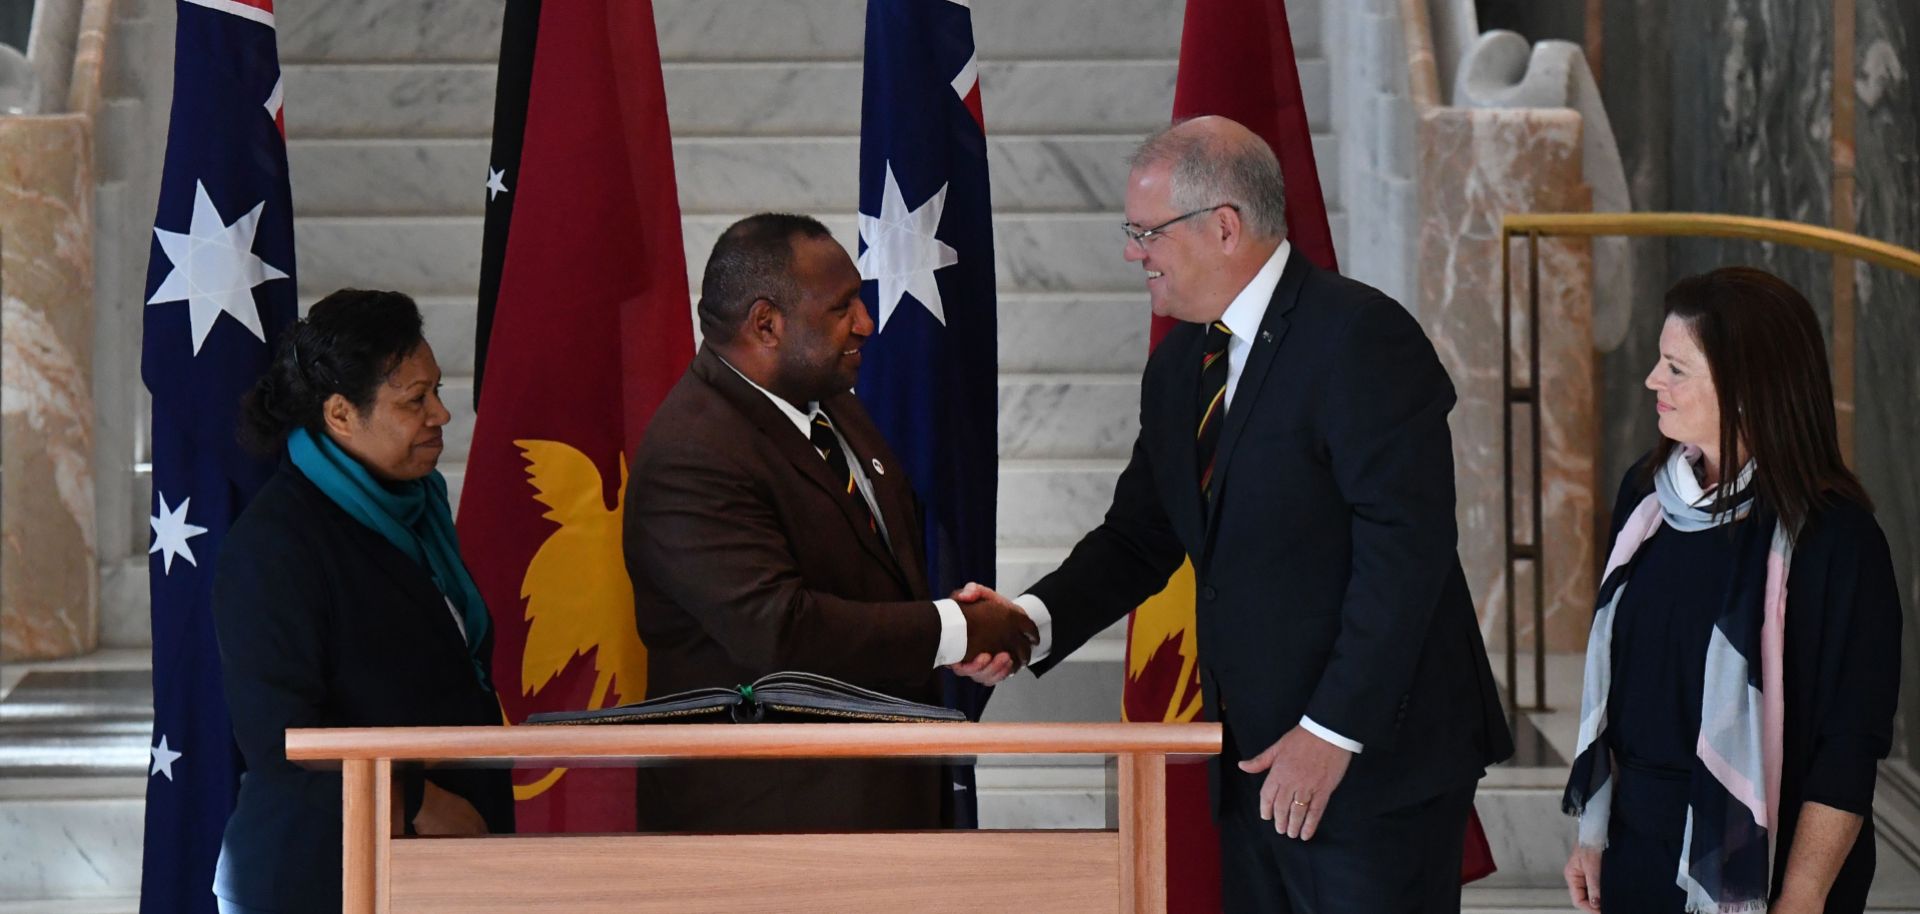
1243 316
953 625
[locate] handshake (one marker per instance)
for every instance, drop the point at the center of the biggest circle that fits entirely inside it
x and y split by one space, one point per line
1000 637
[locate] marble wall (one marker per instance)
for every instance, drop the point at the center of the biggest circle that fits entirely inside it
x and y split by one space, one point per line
1477 164
1727 107
48 599
49 578
1887 304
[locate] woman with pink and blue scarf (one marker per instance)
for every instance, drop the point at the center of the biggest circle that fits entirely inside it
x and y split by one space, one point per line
1743 664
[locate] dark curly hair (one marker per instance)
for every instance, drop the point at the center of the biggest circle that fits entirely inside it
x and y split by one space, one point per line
348 344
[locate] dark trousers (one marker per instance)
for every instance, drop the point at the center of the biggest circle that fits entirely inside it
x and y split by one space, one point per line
1400 861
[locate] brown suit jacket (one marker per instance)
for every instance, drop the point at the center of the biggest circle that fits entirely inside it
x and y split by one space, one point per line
748 558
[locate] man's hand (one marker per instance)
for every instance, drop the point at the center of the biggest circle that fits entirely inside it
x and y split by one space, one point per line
986 669
443 812
1302 771
995 626
1583 878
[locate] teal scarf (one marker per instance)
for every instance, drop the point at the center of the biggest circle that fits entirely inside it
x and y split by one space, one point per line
413 516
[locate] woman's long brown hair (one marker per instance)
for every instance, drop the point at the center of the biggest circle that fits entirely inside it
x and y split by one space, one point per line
1769 366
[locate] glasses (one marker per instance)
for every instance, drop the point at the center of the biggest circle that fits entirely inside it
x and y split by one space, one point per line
1142 236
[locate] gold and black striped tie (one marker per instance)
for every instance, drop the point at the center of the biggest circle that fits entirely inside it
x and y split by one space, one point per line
1213 402
828 444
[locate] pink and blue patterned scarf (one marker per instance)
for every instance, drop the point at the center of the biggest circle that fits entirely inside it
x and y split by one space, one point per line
1733 802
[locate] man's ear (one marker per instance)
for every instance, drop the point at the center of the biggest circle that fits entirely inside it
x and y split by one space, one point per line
1230 230
765 323
339 416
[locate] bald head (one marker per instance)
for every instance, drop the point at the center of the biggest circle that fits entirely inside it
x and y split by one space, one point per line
1215 161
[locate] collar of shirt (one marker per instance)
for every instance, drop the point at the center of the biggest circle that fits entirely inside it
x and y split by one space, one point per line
803 422
1248 309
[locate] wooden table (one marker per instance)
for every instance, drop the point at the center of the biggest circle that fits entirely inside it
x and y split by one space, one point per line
919 872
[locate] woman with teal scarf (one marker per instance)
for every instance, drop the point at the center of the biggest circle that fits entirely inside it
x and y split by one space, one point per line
341 600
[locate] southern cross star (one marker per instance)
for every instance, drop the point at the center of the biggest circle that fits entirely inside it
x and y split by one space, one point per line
902 252
214 268
171 532
163 759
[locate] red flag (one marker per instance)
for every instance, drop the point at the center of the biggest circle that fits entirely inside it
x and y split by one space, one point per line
1236 60
590 328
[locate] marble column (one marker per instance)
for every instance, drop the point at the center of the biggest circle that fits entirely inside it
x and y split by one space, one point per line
48 567
1477 164
1887 303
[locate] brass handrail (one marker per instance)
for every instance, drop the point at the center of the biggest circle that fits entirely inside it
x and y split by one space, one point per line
1715 225
1534 226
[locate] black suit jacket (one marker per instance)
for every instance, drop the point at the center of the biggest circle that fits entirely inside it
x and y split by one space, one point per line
748 558
1327 579
323 623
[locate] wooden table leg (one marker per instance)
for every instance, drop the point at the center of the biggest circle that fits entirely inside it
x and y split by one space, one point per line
1143 834
366 801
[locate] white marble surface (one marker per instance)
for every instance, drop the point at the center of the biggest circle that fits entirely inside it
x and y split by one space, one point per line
469 30
1046 173
466 30
1074 332
57 848
739 99
1068 415
1053 502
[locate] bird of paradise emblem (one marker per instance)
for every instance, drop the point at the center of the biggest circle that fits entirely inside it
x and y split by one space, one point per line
579 600
1163 679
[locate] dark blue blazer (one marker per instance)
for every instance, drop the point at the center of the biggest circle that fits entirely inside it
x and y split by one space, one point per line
1327 579
323 623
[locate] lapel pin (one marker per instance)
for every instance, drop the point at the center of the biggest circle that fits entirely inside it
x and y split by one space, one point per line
878 470
1266 336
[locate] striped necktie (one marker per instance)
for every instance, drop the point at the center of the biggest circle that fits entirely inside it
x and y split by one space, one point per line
1213 403
828 444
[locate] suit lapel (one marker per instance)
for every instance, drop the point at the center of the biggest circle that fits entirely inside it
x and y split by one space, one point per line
414 581
1266 346
887 477
787 440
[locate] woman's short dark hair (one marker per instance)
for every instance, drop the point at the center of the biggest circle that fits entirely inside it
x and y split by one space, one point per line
348 344
1768 360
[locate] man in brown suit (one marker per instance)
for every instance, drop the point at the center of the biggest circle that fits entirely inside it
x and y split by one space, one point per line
768 528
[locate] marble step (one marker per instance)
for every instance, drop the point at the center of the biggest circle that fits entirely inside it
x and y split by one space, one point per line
1131 95
1031 173
440 256
1039 332
469 30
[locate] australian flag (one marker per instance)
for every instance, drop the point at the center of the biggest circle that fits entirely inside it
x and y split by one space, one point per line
929 375
219 292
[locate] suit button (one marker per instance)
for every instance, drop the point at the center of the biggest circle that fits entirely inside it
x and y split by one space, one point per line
1207 592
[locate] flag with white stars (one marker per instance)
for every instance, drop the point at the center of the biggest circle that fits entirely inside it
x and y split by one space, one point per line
219 292
929 375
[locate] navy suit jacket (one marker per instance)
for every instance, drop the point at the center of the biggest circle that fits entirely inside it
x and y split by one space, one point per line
1327 579
323 623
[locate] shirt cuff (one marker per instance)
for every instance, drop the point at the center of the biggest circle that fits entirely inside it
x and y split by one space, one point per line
1330 736
953 634
1043 620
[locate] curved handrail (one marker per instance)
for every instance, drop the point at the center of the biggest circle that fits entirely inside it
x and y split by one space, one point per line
1715 225
851 740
